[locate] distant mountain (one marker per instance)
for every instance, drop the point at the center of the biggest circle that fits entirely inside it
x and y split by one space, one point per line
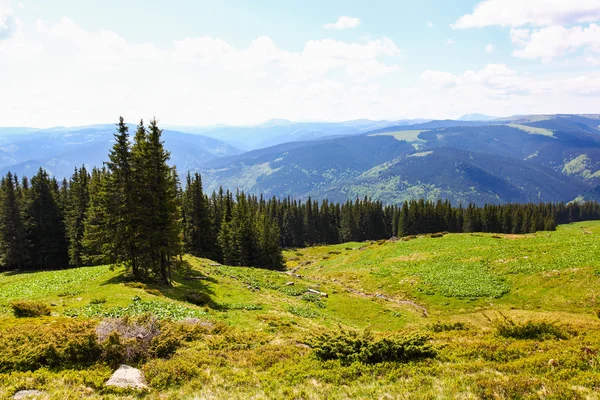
514 159
550 159
476 117
60 150
278 131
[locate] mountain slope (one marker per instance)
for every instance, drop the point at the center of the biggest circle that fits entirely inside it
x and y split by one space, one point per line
59 150
525 159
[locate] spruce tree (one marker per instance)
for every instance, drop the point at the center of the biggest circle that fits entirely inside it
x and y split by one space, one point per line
13 243
77 203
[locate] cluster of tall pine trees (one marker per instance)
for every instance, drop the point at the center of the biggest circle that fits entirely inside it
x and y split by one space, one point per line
133 212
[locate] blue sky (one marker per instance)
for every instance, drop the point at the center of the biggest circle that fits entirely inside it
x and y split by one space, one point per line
69 62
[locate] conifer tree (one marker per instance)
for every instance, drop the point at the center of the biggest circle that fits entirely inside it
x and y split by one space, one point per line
13 243
77 203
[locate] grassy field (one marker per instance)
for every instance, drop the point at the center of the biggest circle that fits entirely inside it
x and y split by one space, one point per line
508 316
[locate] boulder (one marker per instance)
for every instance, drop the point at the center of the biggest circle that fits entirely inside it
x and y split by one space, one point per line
28 394
127 377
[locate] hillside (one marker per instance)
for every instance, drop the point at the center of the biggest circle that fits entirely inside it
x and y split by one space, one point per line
278 131
60 150
253 336
551 158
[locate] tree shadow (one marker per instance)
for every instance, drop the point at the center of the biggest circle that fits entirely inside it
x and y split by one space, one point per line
187 285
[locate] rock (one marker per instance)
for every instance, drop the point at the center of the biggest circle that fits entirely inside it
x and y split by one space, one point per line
552 362
27 394
127 377
289 284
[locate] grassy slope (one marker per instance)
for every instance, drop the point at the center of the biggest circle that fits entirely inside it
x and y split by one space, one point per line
388 286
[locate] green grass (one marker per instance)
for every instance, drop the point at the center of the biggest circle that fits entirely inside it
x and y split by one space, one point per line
533 130
407 136
455 289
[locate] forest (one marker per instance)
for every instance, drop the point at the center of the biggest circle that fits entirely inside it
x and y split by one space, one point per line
133 211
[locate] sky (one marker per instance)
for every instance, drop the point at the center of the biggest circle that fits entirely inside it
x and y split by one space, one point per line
240 62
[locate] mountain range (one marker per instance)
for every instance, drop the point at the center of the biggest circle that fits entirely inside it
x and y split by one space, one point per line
476 158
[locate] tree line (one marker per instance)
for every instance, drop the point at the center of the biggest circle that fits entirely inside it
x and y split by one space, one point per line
134 212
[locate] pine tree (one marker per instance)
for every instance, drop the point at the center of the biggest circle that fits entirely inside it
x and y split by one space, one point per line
270 256
13 243
77 203
44 224
198 232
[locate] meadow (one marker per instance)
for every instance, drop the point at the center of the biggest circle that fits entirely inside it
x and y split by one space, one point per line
474 315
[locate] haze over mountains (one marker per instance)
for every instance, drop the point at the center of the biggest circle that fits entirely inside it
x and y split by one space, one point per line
477 158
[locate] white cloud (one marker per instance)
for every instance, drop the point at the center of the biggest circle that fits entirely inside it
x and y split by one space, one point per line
343 23
8 21
94 76
489 48
429 24
517 13
104 48
555 41
450 42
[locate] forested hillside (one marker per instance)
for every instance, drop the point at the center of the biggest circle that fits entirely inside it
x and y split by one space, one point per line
523 159
134 212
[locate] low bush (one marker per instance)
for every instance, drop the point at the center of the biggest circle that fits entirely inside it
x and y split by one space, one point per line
200 299
136 285
100 300
61 344
537 330
29 309
303 312
315 299
353 346
448 326
126 340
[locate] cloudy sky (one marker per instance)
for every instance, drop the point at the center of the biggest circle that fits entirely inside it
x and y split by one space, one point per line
200 62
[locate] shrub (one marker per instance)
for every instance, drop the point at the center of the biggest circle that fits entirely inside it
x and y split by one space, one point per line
174 335
154 292
127 339
199 298
100 300
136 285
448 326
353 346
304 312
538 330
29 309
61 344
315 299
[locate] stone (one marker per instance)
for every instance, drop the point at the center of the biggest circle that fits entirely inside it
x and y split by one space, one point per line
127 377
289 284
27 394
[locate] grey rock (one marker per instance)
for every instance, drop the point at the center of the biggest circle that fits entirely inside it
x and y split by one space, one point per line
127 377
28 394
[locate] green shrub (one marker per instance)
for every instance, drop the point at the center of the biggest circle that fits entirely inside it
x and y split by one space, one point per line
136 285
62 344
29 309
303 312
154 292
199 298
353 346
99 300
448 326
315 299
537 330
